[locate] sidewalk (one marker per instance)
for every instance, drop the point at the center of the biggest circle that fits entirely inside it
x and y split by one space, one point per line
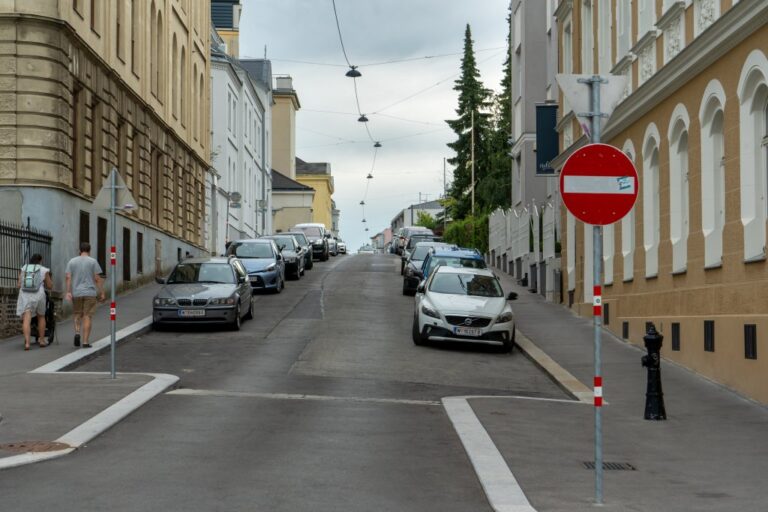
46 409
710 454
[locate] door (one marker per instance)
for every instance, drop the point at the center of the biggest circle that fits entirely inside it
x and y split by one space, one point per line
101 243
158 257
126 254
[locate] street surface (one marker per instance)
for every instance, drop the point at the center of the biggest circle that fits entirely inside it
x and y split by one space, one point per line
321 403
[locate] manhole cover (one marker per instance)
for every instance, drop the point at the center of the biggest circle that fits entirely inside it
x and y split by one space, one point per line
34 446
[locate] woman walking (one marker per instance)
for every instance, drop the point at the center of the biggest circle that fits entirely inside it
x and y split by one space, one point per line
33 280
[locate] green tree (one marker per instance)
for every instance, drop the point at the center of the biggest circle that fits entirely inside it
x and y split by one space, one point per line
426 220
474 102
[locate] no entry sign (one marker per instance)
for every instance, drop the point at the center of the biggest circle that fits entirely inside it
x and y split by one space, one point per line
598 184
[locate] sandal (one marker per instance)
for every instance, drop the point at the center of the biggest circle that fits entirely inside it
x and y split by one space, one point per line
26 347
86 345
42 343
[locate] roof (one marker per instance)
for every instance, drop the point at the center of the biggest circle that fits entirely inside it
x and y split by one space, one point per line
303 167
429 205
282 182
259 69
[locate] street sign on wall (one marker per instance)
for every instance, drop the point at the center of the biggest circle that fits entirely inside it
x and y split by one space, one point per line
599 184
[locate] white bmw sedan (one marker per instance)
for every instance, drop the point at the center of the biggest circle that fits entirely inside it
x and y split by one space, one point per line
463 304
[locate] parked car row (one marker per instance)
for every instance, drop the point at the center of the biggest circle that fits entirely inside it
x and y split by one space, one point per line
457 298
222 289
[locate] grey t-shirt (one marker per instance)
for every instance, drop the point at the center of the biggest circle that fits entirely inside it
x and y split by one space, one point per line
82 269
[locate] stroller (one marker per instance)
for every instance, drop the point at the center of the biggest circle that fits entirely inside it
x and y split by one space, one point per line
50 319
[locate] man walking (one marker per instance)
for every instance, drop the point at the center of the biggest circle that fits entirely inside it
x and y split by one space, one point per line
83 285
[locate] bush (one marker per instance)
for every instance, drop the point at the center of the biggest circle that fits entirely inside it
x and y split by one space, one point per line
469 232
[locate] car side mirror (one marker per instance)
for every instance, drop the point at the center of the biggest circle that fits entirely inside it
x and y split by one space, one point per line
420 288
159 280
241 279
512 296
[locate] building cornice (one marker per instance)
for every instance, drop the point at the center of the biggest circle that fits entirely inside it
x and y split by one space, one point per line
644 41
673 12
563 9
738 23
567 118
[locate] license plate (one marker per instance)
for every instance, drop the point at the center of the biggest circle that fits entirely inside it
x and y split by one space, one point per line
191 312
467 331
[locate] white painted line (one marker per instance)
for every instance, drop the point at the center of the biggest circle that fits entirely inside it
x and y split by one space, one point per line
599 185
73 357
501 488
287 396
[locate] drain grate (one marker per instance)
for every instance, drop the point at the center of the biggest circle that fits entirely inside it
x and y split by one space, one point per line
34 446
612 466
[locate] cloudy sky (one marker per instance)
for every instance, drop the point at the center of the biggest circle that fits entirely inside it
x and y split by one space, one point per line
407 102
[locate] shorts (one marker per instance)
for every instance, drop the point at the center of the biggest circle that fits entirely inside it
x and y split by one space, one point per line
33 302
84 305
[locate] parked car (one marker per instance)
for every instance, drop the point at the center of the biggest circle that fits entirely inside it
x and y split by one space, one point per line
463 304
413 273
202 291
305 243
454 257
410 243
262 261
342 245
404 233
292 252
316 234
333 249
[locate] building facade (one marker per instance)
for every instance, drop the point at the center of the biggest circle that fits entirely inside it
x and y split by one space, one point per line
97 85
292 202
317 175
691 255
409 216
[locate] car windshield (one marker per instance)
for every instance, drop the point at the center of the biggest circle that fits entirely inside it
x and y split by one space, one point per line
201 273
287 241
420 253
251 250
456 262
466 284
311 231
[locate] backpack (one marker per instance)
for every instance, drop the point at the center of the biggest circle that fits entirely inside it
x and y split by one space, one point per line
32 278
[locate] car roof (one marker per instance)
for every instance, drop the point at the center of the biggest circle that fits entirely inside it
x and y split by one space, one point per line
253 240
457 253
431 243
443 269
206 259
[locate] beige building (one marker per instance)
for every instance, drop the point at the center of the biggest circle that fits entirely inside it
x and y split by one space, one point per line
91 85
691 255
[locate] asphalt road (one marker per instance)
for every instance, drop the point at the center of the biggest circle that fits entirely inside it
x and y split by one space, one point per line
321 403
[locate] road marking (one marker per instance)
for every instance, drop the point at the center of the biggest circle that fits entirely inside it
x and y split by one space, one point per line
501 488
289 396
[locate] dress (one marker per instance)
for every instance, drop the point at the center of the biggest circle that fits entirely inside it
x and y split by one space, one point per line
33 301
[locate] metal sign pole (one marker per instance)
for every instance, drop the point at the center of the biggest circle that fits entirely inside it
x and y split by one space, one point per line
113 265
597 269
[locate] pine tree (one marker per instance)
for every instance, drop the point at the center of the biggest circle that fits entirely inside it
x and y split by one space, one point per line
473 99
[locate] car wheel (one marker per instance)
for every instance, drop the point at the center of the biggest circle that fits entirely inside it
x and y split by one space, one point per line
406 290
249 314
418 339
236 323
510 345
310 264
402 267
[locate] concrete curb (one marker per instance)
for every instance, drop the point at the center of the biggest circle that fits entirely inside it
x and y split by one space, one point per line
110 416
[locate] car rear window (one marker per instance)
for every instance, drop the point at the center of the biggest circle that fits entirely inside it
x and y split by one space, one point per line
420 253
287 241
310 230
202 273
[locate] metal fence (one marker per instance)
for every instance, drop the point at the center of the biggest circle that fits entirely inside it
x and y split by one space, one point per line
17 244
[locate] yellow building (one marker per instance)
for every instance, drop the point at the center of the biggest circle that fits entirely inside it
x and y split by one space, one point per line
691 255
91 85
317 175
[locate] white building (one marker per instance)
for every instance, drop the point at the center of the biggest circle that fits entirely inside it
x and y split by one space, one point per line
239 189
409 216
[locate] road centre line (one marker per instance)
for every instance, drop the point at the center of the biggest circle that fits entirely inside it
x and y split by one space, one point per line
289 396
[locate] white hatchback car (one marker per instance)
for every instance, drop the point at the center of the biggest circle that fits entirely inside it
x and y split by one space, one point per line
463 304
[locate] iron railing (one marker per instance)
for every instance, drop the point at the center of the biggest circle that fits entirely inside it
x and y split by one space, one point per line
17 244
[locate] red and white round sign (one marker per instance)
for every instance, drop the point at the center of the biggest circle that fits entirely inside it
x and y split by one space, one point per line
599 184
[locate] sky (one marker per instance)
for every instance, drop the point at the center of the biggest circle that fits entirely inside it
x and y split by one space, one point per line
406 102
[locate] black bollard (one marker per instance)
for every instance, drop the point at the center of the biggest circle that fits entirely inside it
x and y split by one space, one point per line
654 397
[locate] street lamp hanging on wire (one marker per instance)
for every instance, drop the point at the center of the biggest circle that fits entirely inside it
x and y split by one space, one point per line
353 72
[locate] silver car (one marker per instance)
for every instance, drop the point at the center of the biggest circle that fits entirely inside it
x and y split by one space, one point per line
204 291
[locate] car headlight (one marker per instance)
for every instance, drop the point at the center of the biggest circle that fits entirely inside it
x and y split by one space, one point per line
430 312
161 301
272 266
220 301
505 317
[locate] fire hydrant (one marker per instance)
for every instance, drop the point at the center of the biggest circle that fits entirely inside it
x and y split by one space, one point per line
654 397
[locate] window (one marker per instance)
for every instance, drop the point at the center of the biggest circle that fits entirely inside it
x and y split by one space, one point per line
651 206
126 254
518 24
628 228
608 250
624 27
85 227
646 16
139 253
229 111
119 46
96 16
101 243
604 44
159 58
712 173
153 57
135 37
175 78
678 188
182 87
78 137
571 250
587 38
157 186
753 100
97 157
